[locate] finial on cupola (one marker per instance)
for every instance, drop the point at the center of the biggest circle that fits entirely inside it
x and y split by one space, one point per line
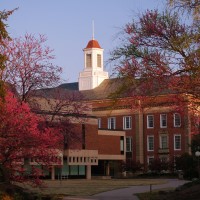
93 29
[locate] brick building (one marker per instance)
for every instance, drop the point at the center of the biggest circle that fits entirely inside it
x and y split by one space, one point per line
119 128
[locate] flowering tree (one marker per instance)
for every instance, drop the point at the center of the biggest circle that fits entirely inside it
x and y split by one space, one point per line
29 64
158 45
189 6
22 142
161 55
63 109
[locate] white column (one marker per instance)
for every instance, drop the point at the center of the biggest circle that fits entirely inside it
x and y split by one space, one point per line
108 169
88 172
141 137
52 173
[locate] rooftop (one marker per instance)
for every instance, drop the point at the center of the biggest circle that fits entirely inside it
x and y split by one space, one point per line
93 44
108 89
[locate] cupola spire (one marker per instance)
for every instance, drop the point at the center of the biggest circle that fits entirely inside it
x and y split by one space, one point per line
92 29
93 73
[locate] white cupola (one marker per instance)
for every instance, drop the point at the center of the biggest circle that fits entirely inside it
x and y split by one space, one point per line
93 73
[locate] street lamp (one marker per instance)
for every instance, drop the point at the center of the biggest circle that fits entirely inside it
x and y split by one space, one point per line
197 154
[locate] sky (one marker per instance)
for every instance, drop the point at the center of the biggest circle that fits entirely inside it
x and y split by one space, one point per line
67 24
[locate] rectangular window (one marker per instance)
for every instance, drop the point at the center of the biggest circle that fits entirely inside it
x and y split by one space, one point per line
99 122
127 122
111 123
74 170
81 169
150 121
163 121
177 120
164 159
150 159
129 144
98 60
163 141
177 142
121 145
150 143
89 60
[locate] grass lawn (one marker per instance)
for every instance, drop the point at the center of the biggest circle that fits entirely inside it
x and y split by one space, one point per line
88 187
155 194
189 191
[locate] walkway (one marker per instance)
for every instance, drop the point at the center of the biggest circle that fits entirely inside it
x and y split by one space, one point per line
128 193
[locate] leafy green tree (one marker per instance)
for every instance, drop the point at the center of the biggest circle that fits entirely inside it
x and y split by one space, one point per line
157 165
187 163
133 166
3 35
195 144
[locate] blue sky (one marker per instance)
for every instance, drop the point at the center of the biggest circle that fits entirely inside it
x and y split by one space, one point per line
68 25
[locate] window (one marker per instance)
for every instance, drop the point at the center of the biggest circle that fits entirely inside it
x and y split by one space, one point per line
163 141
111 122
177 142
164 159
150 143
122 144
177 120
129 144
127 122
99 122
163 121
150 121
89 60
150 159
98 60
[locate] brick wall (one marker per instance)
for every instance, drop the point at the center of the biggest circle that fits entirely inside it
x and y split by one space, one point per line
109 145
91 137
169 131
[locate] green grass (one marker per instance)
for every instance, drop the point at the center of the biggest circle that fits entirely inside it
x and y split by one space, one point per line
154 195
88 187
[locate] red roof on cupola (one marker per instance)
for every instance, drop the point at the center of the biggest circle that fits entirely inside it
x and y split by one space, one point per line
93 44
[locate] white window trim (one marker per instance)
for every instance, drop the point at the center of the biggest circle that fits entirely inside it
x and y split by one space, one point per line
148 121
149 136
109 123
175 142
175 121
124 123
161 126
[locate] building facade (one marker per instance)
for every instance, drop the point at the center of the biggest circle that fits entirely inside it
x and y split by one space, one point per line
120 128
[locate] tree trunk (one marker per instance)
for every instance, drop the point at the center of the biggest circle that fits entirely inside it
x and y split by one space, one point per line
5 174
